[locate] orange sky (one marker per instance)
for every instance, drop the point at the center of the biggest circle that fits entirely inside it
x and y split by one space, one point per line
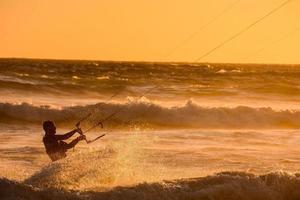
148 30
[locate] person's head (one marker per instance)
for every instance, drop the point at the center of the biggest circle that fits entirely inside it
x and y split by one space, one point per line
49 127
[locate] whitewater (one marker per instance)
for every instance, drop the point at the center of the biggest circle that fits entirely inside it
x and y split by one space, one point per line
180 130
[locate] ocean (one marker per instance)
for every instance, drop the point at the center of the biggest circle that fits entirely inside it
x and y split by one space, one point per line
173 130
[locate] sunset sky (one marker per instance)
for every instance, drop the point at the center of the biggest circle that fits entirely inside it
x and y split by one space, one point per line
149 30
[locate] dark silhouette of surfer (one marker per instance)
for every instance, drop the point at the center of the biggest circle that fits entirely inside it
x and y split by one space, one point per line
56 148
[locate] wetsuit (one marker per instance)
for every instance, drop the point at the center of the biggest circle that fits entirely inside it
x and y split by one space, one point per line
56 148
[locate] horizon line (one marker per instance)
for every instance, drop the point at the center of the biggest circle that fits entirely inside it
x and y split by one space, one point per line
140 61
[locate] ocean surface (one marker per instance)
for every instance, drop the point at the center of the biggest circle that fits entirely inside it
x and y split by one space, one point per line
173 130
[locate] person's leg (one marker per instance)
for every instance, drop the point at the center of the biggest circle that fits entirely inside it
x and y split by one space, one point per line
71 144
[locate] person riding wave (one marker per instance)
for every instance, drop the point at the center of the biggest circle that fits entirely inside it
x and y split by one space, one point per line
55 147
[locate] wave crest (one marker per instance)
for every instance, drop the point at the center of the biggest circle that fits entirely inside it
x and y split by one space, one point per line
147 113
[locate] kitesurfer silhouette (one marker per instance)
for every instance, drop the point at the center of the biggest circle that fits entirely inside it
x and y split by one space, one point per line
56 148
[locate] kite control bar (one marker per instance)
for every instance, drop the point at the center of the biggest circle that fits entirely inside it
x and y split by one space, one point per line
90 141
89 129
77 125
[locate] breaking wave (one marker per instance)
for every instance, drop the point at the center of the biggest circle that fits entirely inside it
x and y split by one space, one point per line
225 185
150 114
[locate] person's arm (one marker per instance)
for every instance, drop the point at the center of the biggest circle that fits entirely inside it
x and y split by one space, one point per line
66 136
74 142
